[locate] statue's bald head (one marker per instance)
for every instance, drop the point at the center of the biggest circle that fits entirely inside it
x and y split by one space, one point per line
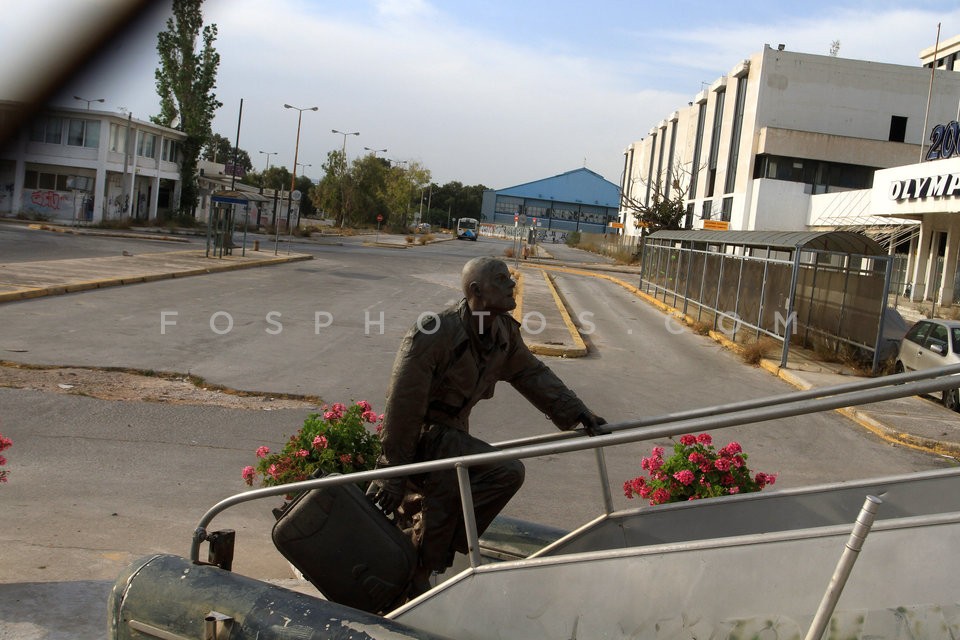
477 270
488 285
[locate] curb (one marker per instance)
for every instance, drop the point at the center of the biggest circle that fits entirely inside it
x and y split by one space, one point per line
579 349
60 289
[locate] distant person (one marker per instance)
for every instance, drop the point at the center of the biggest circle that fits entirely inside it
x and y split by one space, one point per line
444 367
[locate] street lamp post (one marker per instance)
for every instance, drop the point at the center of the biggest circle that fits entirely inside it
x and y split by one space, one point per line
375 151
268 154
296 153
343 171
88 101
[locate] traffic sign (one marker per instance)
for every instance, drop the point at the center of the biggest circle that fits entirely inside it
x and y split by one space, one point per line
379 217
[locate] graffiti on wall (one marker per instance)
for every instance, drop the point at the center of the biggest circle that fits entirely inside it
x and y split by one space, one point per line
49 203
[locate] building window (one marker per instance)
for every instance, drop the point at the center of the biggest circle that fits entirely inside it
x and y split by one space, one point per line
688 221
118 138
653 148
147 145
734 155
898 128
83 133
670 153
169 152
47 129
697 148
658 187
820 175
715 142
705 211
726 210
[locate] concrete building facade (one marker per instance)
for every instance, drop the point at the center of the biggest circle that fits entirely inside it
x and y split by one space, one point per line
756 149
82 165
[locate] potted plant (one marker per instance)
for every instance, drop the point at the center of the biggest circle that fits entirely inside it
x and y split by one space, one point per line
695 470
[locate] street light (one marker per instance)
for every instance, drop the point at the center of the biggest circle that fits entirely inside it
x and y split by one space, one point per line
88 101
304 165
268 154
375 151
296 151
343 208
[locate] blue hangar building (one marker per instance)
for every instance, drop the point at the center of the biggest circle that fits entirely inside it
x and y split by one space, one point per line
578 200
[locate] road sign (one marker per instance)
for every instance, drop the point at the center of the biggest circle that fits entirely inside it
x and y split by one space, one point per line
379 218
296 195
716 225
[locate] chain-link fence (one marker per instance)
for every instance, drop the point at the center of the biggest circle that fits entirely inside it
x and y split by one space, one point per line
826 300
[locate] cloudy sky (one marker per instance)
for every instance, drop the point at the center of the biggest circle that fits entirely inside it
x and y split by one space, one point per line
493 92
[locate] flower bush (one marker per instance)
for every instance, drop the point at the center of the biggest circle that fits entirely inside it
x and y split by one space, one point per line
339 440
695 470
5 443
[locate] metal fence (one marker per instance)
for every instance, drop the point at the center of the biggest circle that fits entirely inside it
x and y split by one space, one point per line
821 299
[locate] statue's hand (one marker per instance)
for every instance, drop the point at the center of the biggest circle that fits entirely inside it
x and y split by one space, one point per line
388 493
593 424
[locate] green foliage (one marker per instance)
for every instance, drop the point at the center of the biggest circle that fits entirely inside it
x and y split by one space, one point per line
220 149
573 238
185 81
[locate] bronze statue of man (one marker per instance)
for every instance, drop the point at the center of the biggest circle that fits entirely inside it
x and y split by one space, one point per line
446 365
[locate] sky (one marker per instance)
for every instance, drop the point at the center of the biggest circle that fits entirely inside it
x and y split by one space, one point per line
492 92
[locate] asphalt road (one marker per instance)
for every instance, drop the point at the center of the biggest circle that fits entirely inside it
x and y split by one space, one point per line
96 484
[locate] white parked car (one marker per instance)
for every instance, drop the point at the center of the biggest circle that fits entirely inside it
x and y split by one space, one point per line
929 344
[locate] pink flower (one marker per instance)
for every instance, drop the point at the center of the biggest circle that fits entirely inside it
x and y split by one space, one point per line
688 440
763 479
273 471
302 453
684 477
263 452
248 474
331 415
734 489
364 406
320 443
346 458
732 449
660 496
628 489
369 416
722 464
5 442
705 439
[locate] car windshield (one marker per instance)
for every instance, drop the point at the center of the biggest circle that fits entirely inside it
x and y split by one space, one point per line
955 339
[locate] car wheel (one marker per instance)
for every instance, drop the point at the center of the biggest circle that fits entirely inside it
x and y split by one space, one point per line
898 368
951 399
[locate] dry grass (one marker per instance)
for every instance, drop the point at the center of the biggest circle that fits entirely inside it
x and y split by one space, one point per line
701 328
508 252
757 350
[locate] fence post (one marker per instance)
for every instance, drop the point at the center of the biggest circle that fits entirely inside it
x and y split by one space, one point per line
791 303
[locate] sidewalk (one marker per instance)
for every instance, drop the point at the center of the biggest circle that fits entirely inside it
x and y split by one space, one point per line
23 280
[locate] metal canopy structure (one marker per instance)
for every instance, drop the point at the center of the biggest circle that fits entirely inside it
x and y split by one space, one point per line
833 241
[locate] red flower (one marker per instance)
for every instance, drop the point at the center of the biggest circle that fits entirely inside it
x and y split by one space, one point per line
705 439
688 440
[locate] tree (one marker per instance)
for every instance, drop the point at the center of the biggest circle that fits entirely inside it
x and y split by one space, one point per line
667 207
185 82
220 149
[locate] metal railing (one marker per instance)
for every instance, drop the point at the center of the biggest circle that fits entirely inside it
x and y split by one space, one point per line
667 425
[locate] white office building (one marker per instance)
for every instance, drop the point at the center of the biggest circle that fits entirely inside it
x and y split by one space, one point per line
83 165
791 141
